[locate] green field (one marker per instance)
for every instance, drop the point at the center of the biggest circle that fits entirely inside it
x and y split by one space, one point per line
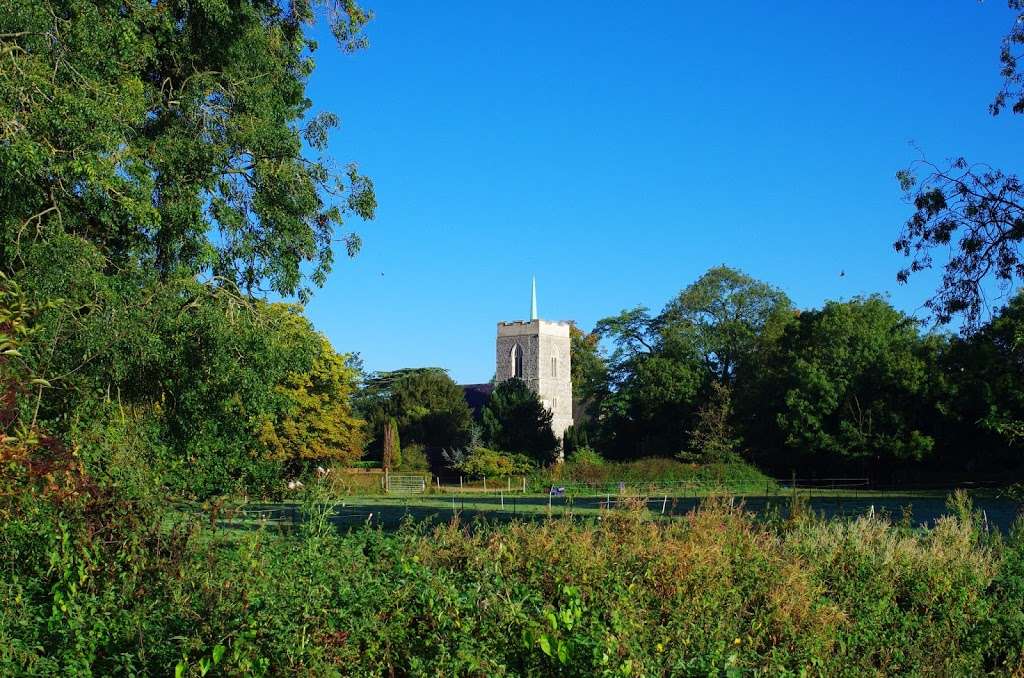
391 511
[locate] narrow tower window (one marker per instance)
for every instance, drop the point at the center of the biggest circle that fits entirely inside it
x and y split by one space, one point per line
517 361
554 367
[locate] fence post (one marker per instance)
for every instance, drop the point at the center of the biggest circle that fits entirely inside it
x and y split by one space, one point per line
485 483
438 479
460 482
663 502
509 479
502 501
387 482
524 484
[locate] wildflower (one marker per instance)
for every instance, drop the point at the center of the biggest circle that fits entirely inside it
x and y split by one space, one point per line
659 647
737 641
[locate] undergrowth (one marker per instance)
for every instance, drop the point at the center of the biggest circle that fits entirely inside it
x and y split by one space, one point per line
713 593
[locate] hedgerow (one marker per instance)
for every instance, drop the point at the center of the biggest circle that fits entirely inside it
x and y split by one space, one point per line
714 593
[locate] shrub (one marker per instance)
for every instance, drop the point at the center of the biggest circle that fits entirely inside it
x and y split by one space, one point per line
414 458
655 472
713 593
492 464
586 456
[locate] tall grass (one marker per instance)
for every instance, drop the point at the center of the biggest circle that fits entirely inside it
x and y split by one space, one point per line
714 593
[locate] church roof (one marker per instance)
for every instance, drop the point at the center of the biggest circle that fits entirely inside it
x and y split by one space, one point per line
476 395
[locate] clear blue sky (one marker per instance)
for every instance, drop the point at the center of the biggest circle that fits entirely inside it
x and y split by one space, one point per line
618 150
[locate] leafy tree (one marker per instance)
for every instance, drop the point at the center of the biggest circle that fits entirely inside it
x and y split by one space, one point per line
515 420
484 462
589 372
654 380
160 169
171 134
974 210
634 332
317 423
713 439
981 398
854 385
661 366
727 313
429 407
218 389
200 363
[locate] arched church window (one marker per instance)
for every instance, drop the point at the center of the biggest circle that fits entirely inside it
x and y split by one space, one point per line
517 361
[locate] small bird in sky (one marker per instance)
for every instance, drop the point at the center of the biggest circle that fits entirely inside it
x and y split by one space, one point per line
842 274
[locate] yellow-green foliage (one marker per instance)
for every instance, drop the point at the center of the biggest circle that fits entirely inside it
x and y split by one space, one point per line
484 462
319 424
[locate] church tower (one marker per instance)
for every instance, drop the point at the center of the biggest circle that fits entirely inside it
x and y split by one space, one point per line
537 351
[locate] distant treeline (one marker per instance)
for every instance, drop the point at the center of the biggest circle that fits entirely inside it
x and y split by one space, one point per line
729 368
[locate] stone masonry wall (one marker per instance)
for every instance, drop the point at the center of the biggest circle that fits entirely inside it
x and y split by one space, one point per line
541 341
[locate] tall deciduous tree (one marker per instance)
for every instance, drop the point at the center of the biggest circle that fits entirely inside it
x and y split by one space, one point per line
661 366
161 167
316 422
171 133
982 394
727 313
974 210
854 385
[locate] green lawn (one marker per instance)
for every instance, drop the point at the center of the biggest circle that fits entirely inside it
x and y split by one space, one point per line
389 511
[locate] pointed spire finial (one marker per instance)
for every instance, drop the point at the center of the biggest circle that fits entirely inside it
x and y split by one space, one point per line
533 300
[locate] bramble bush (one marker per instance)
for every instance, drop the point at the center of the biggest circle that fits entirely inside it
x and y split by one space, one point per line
713 593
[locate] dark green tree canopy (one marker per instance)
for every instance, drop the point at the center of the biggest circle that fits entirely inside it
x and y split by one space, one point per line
514 420
428 406
982 394
661 366
855 383
727 314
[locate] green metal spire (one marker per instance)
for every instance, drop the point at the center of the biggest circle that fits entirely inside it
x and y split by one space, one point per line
533 300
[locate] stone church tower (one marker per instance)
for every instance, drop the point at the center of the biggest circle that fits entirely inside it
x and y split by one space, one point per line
538 353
